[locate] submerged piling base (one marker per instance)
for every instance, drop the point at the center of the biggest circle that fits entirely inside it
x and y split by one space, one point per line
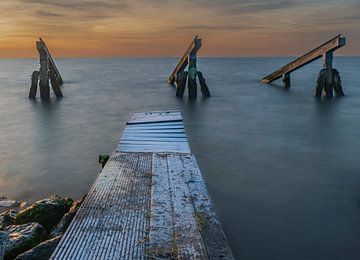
204 88
55 83
184 77
328 86
34 84
181 83
192 86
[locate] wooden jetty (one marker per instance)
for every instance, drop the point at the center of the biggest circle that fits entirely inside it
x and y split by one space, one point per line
328 77
149 201
48 72
180 76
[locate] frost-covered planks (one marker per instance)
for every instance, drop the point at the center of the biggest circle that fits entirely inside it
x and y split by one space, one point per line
155 132
155 117
188 239
111 224
215 240
181 206
161 231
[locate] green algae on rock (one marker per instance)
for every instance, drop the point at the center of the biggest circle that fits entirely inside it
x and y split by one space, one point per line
60 228
46 212
22 238
63 224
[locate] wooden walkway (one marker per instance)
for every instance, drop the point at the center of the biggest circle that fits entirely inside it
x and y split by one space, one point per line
149 202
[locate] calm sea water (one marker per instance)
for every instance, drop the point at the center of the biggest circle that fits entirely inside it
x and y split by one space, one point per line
282 168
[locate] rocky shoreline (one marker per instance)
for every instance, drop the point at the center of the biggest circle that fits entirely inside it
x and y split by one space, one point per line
34 232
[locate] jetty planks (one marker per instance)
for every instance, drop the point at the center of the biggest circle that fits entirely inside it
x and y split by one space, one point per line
149 201
318 52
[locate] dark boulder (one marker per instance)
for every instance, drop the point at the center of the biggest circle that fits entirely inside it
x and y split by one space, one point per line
46 212
7 218
42 251
22 238
63 224
3 240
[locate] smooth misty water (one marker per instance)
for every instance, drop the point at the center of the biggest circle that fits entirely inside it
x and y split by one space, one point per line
282 168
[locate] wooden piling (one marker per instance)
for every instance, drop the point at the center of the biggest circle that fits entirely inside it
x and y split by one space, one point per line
189 60
327 80
320 84
328 88
286 80
48 72
192 70
55 83
181 83
337 83
34 84
203 86
44 79
192 87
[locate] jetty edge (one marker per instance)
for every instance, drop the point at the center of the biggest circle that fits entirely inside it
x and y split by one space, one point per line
148 202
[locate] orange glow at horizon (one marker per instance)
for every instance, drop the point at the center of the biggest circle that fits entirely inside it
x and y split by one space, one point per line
110 28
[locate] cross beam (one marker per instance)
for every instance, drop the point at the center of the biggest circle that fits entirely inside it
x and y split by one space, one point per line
329 46
194 46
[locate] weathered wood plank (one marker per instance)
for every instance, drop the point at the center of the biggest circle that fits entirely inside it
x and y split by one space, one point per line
156 148
161 243
331 45
154 117
216 243
189 242
111 223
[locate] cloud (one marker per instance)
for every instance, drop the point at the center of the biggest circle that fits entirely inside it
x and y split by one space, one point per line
113 25
199 27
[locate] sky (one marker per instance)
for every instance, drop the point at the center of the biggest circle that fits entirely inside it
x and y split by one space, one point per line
136 28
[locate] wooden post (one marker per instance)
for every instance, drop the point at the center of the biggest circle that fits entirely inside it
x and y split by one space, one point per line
193 70
204 89
34 84
337 84
320 84
181 83
286 80
55 83
44 71
44 79
47 70
328 58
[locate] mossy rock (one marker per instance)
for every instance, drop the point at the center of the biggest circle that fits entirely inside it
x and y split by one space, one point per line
47 212
7 218
22 238
42 251
76 204
60 228
63 224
